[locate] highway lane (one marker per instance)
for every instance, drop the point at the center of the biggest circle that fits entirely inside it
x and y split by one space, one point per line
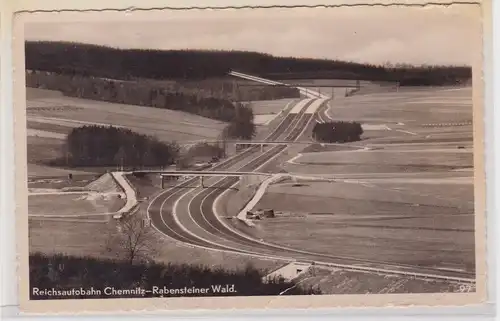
210 226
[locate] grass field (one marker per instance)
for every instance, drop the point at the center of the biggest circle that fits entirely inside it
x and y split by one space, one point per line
438 157
60 183
405 224
357 198
270 107
167 125
411 107
73 204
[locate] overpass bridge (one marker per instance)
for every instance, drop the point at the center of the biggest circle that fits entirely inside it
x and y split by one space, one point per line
168 175
305 91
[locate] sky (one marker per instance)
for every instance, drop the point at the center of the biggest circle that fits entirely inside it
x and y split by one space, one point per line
378 35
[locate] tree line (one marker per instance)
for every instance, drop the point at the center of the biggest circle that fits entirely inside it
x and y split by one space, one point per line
127 64
65 273
134 93
111 146
337 132
203 99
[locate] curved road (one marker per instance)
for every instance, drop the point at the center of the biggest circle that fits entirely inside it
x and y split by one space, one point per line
199 225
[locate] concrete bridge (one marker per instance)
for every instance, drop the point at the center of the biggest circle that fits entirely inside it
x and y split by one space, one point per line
201 174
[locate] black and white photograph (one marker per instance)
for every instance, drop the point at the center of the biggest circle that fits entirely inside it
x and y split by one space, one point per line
265 152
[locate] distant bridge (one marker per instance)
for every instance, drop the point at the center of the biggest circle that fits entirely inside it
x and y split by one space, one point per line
309 93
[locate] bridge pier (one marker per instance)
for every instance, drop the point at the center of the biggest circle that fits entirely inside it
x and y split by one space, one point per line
201 182
162 181
261 148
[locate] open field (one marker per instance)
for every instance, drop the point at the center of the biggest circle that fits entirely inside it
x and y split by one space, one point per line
355 198
410 225
437 158
70 112
270 107
98 196
410 107
59 183
267 110
73 204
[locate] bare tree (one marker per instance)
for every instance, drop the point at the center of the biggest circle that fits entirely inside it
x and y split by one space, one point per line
133 241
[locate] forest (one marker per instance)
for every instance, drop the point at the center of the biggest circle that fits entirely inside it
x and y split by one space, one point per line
127 64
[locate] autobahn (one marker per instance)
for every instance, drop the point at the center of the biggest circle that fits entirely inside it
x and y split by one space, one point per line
198 224
160 209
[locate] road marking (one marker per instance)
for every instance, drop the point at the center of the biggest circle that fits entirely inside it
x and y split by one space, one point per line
191 245
305 127
293 159
406 132
315 105
300 105
182 196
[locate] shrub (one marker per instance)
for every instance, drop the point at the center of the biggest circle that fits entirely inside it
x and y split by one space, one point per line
205 150
337 132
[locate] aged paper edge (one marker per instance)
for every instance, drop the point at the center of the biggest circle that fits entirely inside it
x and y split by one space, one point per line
265 302
76 5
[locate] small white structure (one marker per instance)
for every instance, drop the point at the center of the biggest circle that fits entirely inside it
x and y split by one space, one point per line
289 272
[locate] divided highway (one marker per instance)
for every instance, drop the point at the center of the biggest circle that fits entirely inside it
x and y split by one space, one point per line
197 224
